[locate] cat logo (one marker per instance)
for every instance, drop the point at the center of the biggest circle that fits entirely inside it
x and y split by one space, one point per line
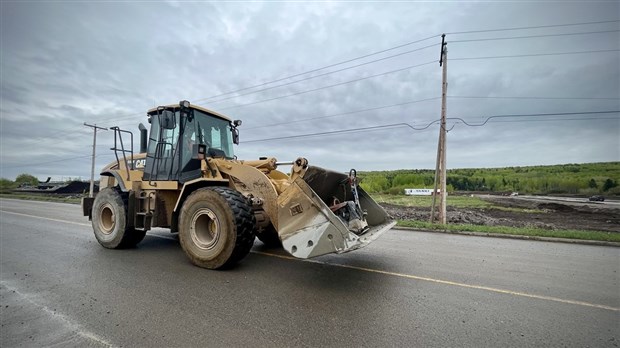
139 164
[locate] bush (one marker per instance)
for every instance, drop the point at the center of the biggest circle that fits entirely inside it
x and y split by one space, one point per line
6 185
397 191
26 180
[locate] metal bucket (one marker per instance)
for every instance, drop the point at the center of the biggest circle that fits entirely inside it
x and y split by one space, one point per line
307 226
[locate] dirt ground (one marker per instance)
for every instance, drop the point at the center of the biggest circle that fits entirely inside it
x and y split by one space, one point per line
547 215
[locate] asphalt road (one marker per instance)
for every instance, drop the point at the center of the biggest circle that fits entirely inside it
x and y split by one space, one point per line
58 287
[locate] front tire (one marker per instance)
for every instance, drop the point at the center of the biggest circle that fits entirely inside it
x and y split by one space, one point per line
216 227
110 221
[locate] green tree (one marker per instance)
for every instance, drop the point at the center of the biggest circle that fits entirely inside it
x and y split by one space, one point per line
26 180
375 183
592 184
609 184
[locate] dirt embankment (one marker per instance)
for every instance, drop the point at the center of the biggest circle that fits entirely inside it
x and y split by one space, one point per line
546 215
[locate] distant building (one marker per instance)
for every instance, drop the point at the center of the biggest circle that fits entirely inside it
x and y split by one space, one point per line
420 192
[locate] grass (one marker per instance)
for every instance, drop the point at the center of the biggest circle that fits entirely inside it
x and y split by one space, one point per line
477 203
40 197
521 231
452 201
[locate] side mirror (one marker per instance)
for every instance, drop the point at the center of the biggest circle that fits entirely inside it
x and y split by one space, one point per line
235 135
167 119
235 132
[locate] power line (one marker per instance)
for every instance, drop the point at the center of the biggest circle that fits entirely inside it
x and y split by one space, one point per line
403 124
41 163
325 74
344 113
330 86
531 27
396 125
534 115
391 49
535 55
534 36
394 48
331 132
369 55
319 69
557 119
418 101
53 161
126 116
542 98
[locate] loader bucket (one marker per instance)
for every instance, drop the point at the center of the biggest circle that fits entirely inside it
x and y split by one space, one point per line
307 226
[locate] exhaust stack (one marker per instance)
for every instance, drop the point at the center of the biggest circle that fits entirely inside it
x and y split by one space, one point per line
143 138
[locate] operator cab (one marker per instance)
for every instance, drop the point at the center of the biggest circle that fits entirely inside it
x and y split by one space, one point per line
182 136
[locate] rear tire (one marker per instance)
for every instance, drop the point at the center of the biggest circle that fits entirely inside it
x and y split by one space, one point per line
110 221
216 227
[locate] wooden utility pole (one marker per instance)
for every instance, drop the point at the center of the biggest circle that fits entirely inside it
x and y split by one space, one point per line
440 168
92 168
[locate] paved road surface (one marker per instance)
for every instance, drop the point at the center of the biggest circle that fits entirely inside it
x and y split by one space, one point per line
59 287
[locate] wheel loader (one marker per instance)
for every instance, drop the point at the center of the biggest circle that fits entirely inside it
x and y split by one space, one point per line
187 178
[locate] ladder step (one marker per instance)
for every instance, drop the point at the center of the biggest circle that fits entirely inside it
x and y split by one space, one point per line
143 221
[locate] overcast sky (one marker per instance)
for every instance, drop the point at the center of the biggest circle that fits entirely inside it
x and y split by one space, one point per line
64 63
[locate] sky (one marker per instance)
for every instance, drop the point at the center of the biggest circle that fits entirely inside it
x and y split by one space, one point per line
64 63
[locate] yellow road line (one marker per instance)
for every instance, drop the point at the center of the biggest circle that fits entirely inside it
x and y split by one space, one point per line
447 282
395 274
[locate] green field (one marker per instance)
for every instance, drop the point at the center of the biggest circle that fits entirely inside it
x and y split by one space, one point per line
576 179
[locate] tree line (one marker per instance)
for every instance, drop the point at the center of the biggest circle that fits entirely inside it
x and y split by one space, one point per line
586 179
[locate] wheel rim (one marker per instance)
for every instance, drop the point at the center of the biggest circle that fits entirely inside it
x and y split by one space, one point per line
107 219
205 229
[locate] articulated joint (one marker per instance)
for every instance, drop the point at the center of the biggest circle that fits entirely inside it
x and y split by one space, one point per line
261 217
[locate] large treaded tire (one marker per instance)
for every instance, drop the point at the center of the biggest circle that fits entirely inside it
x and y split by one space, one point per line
269 237
110 221
216 227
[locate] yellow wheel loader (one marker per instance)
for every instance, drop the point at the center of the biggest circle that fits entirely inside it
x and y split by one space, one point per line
186 178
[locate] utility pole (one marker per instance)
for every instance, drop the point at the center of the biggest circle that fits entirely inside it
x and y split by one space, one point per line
92 168
440 168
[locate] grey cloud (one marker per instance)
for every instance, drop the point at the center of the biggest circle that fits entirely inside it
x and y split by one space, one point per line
107 63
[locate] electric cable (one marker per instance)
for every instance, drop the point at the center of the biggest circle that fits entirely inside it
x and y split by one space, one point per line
535 54
320 68
343 113
404 124
533 36
531 27
329 86
525 97
324 74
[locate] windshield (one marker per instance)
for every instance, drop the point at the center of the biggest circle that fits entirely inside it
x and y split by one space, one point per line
213 132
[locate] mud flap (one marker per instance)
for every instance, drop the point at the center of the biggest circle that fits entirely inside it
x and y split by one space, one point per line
308 228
